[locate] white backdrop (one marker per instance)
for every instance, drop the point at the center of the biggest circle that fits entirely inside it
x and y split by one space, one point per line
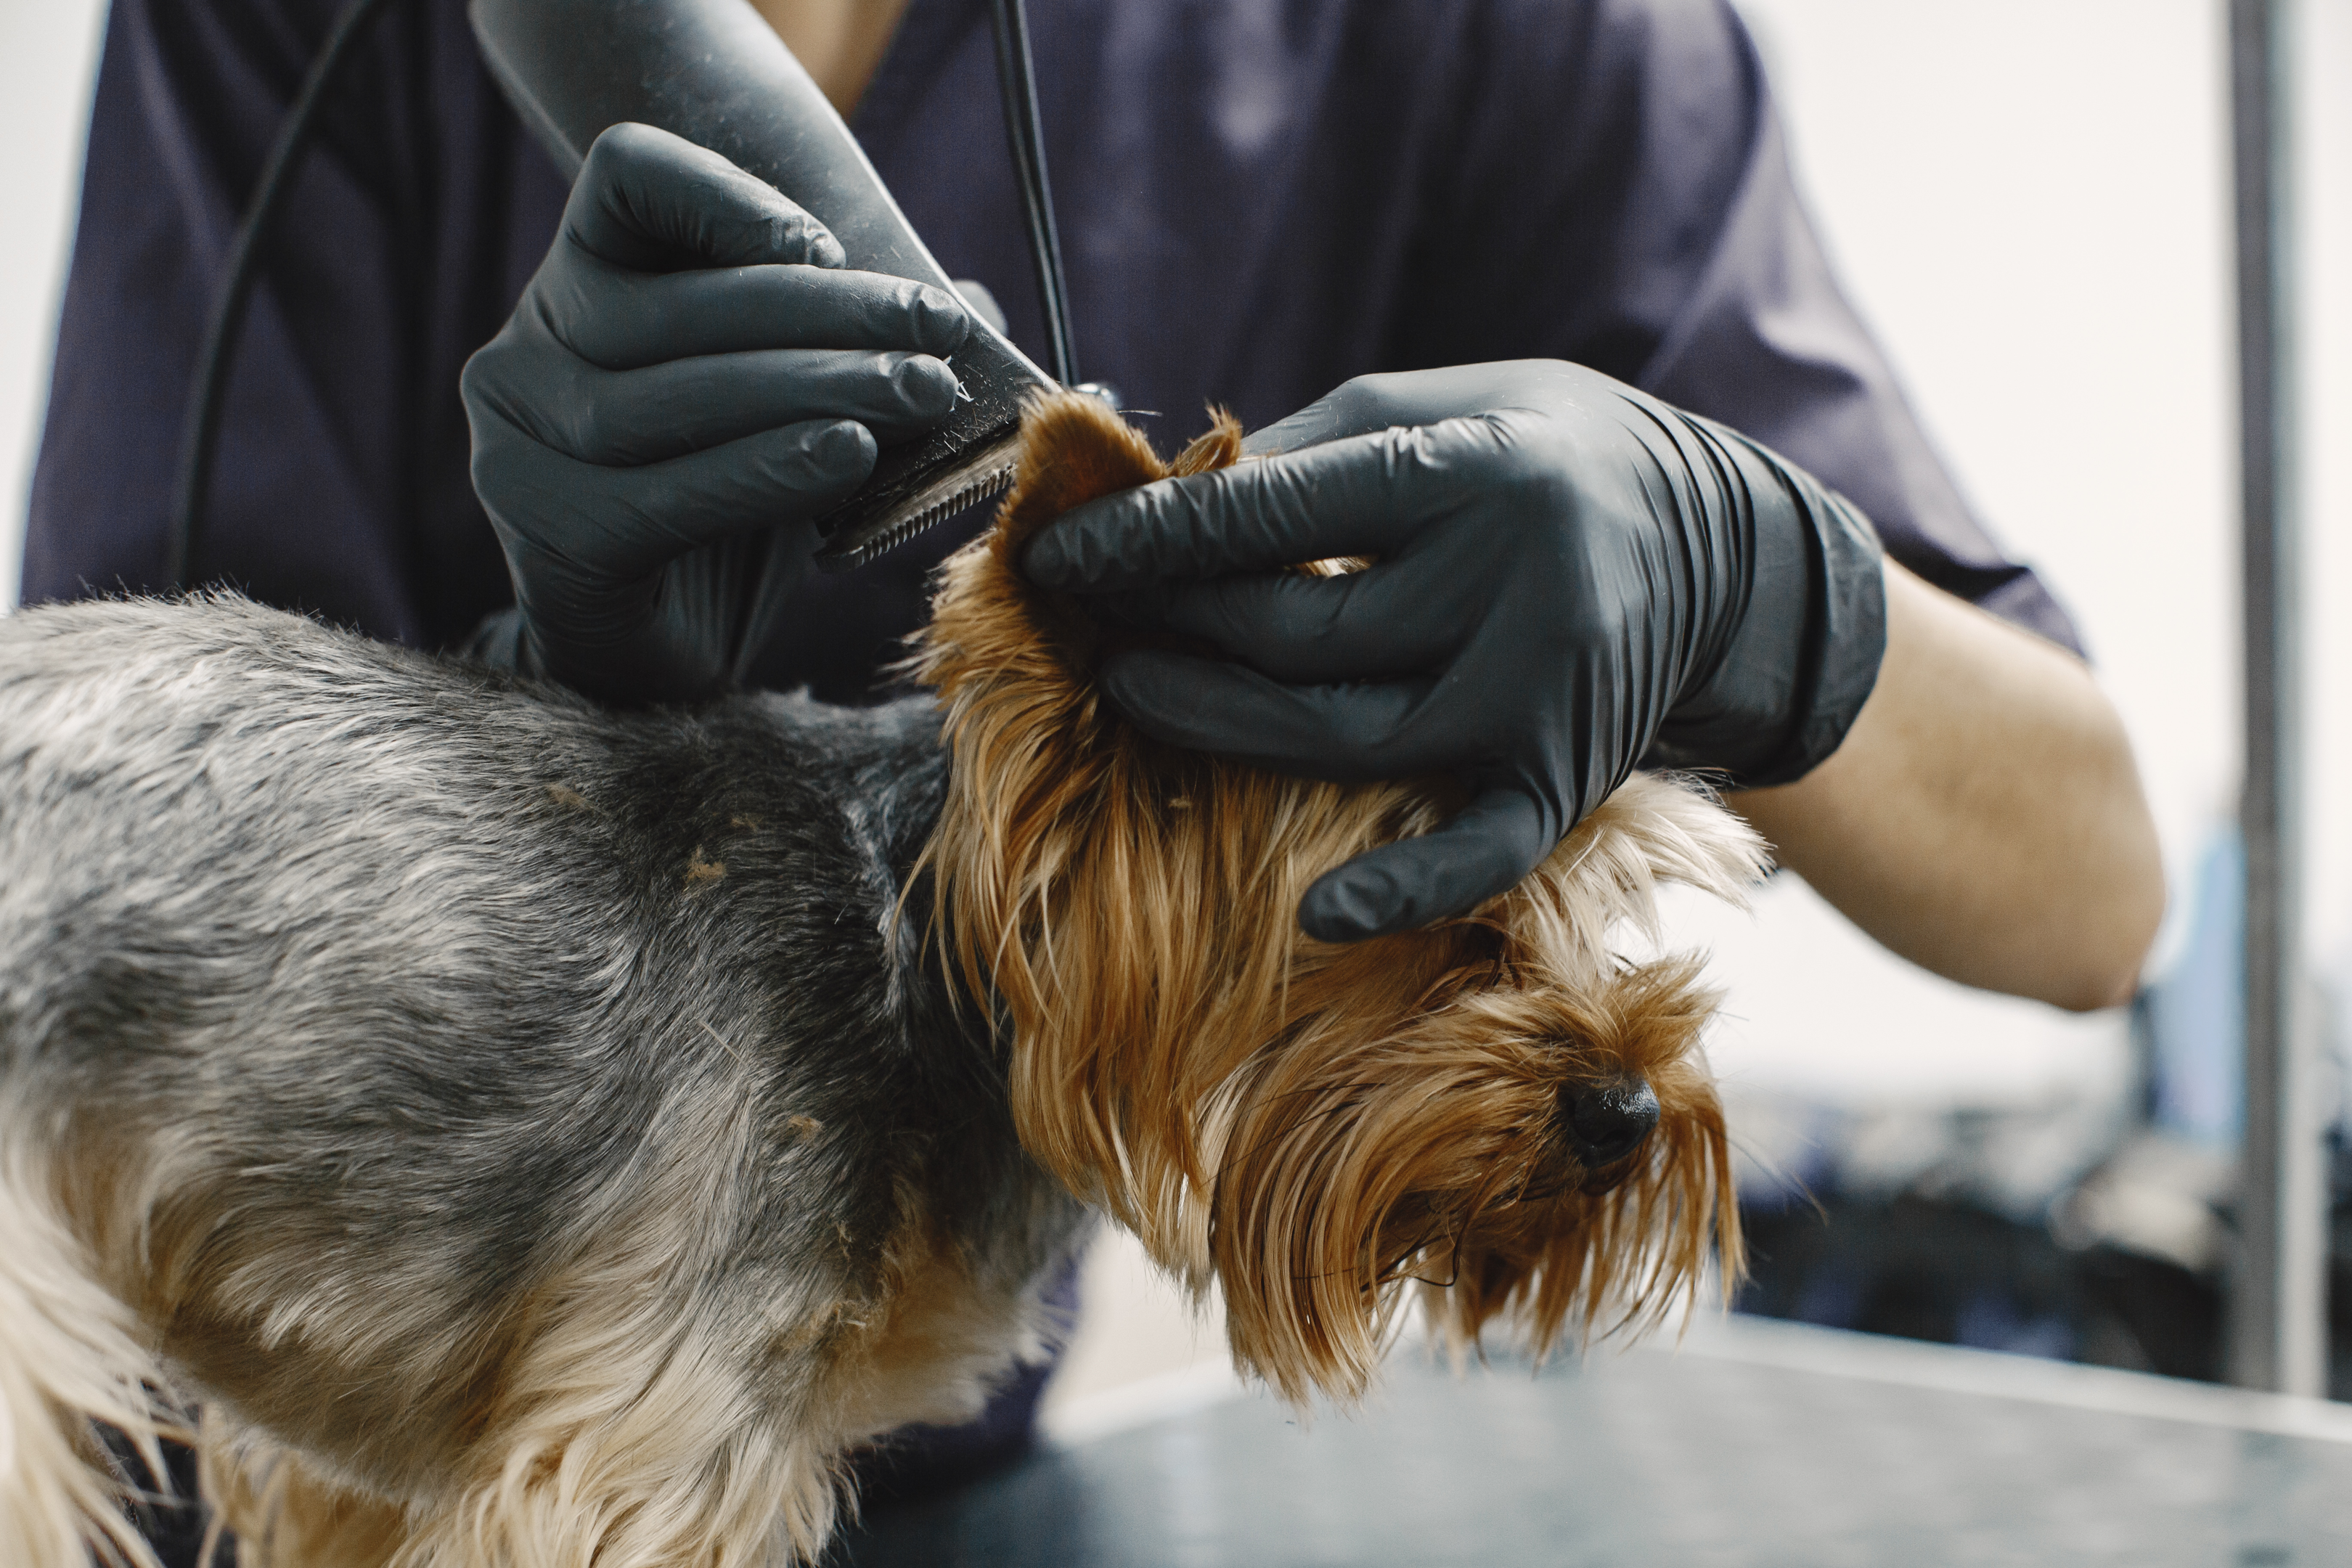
48 49
2027 199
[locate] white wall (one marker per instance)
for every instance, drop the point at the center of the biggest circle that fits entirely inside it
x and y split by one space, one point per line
49 50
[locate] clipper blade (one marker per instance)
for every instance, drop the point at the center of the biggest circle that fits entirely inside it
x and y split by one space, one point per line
915 502
880 537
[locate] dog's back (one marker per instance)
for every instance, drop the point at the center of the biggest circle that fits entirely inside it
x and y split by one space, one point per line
551 1085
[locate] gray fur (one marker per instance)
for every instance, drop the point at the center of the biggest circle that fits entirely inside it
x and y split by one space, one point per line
414 983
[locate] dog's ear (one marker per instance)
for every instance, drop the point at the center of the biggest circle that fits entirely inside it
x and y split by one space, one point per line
1074 449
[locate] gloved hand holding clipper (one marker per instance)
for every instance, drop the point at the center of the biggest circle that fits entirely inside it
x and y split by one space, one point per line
1571 579
689 382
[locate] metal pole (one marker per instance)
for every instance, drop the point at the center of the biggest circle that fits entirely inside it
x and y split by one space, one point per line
2278 1310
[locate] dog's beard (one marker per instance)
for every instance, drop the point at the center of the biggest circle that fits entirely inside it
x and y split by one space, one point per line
1313 1126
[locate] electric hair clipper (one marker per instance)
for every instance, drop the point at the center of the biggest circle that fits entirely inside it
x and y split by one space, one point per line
714 72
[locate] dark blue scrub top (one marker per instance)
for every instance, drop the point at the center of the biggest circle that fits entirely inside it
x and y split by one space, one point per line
1257 201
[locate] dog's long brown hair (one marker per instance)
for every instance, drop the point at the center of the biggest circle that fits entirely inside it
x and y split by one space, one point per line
1313 1125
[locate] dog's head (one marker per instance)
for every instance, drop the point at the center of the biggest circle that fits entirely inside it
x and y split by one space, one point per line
1499 1107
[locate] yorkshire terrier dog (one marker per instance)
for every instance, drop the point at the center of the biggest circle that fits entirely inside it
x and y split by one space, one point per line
537 1136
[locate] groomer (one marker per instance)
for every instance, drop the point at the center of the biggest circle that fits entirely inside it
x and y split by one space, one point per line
1617 400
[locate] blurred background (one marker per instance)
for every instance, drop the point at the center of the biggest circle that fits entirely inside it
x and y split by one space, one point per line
2028 199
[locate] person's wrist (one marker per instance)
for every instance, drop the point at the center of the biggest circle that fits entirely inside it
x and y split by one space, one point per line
1803 649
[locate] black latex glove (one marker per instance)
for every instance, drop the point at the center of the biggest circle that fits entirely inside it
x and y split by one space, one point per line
1571 578
688 382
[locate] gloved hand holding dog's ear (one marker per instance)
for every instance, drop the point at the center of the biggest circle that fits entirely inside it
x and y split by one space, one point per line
1571 578
689 382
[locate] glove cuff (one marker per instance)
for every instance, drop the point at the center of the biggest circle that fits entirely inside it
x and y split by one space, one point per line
1804 654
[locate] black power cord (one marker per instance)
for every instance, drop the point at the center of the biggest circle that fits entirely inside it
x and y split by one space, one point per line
1016 83
200 431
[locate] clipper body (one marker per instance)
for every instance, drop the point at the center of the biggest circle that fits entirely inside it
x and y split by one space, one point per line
715 73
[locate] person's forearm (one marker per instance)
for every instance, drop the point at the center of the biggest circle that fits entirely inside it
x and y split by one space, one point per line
1984 816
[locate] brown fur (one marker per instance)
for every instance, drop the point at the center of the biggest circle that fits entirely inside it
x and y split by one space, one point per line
1311 1125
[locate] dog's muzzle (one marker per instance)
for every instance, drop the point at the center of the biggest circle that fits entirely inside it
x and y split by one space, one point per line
1606 1121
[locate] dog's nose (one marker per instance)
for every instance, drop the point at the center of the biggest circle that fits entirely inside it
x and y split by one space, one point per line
1606 1121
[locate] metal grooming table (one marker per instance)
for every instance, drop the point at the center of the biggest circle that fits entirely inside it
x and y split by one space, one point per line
1756 1444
